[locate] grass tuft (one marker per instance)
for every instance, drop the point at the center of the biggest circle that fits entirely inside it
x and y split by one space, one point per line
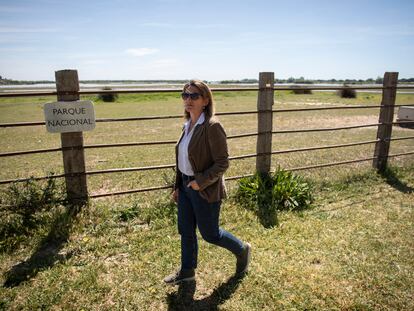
155 213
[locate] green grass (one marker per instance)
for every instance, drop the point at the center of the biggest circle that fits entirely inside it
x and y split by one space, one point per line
352 251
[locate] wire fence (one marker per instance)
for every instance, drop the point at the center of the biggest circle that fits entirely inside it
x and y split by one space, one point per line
171 142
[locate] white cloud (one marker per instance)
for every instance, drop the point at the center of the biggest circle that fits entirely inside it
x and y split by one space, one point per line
141 51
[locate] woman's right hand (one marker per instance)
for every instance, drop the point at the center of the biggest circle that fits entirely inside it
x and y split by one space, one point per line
175 195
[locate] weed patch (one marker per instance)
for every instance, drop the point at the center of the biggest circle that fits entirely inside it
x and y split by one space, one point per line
26 206
162 211
266 194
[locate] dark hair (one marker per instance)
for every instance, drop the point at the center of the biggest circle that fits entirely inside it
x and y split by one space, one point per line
205 92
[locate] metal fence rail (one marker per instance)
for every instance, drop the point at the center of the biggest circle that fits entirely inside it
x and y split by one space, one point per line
147 118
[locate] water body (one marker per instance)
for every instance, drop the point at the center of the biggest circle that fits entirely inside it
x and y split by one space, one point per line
132 86
52 86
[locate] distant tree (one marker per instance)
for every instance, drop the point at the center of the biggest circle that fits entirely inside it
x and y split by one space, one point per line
300 80
249 81
406 80
379 80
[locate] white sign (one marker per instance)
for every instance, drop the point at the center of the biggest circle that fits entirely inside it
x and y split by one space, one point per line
74 116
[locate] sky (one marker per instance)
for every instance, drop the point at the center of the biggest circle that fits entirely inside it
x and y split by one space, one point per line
209 40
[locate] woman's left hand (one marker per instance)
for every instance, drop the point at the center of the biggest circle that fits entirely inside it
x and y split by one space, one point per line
193 184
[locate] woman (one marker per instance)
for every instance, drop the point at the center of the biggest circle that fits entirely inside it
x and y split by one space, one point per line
201 160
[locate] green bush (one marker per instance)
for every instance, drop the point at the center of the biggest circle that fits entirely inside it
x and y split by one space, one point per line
302 90
107 97
267 194
347 92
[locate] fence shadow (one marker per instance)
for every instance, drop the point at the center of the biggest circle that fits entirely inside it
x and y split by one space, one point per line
183 299
48 253
392 179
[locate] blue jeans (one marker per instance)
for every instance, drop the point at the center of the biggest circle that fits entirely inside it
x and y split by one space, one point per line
194 211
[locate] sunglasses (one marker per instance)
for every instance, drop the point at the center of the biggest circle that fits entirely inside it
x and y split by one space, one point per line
193 96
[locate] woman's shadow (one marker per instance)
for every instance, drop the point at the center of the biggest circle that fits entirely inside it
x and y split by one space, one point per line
183 299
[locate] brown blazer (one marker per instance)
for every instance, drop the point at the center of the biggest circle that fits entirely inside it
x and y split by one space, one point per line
209 159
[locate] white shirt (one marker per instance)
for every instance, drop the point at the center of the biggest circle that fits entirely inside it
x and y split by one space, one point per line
184 164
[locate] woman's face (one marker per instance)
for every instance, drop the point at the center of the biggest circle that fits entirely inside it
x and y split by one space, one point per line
192 105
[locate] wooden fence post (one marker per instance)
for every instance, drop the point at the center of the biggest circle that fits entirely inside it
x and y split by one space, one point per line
386 117
67 86
264 122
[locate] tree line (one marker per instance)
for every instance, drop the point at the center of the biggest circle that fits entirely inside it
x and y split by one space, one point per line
301 80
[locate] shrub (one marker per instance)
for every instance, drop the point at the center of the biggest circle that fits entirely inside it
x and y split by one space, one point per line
266 194
107 97
347 92
297 90
22 206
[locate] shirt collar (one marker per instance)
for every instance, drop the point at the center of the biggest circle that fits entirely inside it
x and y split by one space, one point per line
200 120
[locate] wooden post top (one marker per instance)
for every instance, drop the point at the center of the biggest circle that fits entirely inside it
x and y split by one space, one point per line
266 80
390 79
67 84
